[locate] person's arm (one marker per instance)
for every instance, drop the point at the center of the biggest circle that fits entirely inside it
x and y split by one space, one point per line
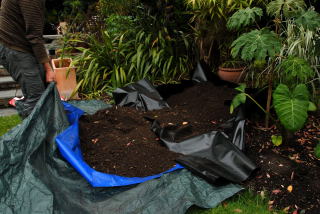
33 15
50 74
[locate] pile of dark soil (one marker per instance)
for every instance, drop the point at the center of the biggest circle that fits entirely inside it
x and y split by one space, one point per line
119 140
289 173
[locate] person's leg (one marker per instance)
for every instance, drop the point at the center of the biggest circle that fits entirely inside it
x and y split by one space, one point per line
24 69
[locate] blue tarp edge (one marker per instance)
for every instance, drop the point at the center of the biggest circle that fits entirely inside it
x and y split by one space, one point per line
69 146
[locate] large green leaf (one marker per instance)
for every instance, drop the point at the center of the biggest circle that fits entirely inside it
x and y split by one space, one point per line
257 44
243 17
291 106
295 69
309 20
288 8
239 98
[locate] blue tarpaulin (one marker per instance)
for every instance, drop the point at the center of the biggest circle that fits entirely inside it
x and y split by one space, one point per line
69 145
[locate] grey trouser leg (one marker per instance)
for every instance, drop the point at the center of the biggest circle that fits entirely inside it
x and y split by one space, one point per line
24 68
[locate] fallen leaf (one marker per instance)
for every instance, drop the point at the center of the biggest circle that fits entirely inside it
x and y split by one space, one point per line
286 209
276 191
268 176
299 161
290 188
270 202
184 123
237 210
295 212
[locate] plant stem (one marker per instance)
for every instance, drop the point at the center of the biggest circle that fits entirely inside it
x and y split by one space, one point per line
269 100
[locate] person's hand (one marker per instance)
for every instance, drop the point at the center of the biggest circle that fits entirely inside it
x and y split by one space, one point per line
50 74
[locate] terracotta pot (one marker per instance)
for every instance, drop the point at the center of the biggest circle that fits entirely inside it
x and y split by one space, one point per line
234 75
65 78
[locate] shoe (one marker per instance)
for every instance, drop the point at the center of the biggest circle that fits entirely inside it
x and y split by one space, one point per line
12 102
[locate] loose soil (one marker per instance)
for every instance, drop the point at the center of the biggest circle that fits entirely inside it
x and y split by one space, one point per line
119 141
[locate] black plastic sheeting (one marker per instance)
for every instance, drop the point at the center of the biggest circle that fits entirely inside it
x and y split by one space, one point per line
199 74
141 95
34 178
212 155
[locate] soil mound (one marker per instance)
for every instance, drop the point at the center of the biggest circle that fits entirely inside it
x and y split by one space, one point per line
119 140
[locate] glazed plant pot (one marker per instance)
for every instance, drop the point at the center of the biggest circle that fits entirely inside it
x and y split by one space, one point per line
234 75
65 78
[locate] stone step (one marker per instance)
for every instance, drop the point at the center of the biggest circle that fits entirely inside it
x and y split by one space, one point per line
7 112
6 83
7 95
3 71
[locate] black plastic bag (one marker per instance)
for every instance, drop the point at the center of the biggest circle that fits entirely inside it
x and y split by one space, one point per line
141 95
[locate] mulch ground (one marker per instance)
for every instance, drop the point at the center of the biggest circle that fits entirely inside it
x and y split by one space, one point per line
289 173
119 141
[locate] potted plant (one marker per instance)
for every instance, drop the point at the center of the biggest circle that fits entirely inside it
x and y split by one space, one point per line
291 66
65 78
232 71
63 66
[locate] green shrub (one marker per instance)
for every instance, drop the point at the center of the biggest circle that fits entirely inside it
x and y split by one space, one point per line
114 62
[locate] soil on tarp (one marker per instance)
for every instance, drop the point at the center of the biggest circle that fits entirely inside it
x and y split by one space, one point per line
289 174
119 140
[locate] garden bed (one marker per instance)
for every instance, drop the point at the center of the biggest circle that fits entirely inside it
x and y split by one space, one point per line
288 174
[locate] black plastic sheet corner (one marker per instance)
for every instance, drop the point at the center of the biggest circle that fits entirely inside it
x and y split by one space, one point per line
141 95
211 155
199 74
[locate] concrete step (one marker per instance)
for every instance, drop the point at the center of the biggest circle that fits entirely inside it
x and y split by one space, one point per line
6 83
7 95
8 112
3 71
